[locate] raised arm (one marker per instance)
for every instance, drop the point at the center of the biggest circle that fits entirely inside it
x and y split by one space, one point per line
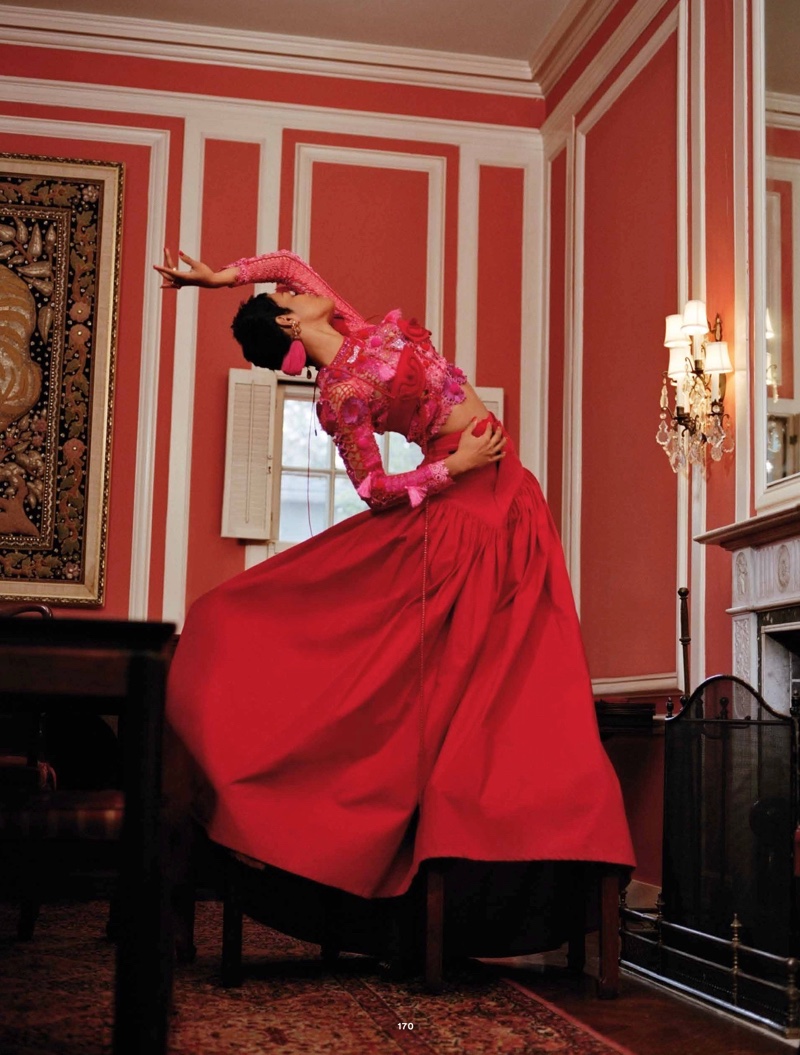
344 414
283 267
290 270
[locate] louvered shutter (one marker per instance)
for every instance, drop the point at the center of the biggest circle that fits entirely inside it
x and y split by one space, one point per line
492 399
247 498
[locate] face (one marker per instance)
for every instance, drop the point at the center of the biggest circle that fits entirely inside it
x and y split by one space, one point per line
304 306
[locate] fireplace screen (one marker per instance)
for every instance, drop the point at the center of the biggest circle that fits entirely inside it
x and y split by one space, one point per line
726 925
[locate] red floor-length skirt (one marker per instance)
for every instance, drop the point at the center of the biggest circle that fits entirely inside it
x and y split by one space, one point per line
296 688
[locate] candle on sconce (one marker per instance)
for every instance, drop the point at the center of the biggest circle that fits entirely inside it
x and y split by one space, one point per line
676 371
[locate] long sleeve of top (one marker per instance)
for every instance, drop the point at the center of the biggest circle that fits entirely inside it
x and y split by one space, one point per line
345 415
290 270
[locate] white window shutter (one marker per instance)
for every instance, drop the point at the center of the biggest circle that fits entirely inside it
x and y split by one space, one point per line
492 399
250 440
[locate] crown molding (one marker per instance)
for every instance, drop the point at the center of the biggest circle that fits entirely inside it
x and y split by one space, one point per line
505 144
208 45
567 37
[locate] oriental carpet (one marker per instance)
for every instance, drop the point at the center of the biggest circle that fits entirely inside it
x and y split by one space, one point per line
57 995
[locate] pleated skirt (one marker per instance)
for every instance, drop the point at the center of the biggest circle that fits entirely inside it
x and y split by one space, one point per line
409 684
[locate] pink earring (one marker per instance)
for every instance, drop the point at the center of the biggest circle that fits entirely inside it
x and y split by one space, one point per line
295 359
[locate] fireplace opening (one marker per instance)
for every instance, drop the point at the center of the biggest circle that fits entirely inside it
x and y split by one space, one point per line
779 656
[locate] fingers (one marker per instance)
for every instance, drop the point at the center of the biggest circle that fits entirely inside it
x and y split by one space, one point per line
496 440
194 264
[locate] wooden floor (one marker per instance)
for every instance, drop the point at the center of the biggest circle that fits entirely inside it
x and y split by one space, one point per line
644 1018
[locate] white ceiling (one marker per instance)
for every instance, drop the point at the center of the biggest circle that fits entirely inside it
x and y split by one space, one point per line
511 30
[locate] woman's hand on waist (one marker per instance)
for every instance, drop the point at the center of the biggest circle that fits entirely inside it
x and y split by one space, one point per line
476 452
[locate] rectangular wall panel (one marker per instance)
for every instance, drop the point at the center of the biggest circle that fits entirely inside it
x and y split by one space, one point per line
629 283
369 233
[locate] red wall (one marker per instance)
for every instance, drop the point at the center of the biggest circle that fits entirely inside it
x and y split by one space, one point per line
369 234
629 283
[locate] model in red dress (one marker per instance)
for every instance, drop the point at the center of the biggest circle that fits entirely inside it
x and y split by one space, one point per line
411 683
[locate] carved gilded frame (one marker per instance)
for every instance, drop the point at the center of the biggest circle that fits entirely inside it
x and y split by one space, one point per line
60 226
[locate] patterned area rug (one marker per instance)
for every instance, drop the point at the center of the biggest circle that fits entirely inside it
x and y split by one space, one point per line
57 1000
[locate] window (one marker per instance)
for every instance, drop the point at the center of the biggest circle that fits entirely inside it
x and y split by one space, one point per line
284 479
312 489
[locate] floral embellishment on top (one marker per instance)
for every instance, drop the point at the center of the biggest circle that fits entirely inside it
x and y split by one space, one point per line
354 410
326 415
413 330
360 392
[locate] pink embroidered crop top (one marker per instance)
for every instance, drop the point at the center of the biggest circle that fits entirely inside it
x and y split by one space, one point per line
384 378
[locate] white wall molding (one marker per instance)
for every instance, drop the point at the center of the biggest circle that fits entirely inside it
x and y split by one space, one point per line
778 102
563 44
573 374
569 525
222 120
534 360
176 543
636 684
697 182
206 45
469 175
682 221
612 52
743 375
157 141
435 168
645 54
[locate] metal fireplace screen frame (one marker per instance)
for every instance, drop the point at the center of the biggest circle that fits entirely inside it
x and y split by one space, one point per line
726 926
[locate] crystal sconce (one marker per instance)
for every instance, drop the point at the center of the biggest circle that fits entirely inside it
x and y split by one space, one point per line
698 363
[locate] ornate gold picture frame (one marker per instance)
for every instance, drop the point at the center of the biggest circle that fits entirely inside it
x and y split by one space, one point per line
60 223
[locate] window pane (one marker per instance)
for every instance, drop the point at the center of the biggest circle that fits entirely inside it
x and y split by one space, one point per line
304 442
346 501
403 456
303 496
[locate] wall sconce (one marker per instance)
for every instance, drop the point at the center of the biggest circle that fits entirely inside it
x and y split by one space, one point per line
698 363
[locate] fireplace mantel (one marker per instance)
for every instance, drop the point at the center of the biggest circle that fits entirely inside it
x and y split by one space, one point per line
766 580
758 531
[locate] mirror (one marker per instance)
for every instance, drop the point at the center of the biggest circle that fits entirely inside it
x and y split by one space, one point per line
779 366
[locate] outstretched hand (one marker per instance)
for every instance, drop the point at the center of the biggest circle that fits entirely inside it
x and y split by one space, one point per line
475 452
197 274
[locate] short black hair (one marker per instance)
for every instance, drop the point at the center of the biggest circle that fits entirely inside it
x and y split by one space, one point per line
264 342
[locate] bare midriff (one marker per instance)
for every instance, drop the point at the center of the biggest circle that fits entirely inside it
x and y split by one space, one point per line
463 413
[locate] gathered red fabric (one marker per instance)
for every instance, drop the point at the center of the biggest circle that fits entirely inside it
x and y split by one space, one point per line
411 683
296 688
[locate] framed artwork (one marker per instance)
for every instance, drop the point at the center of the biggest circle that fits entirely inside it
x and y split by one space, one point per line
60 224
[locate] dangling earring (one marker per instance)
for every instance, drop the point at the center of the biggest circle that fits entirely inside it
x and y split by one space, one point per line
295 359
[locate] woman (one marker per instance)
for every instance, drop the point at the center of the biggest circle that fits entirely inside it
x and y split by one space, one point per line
407 685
